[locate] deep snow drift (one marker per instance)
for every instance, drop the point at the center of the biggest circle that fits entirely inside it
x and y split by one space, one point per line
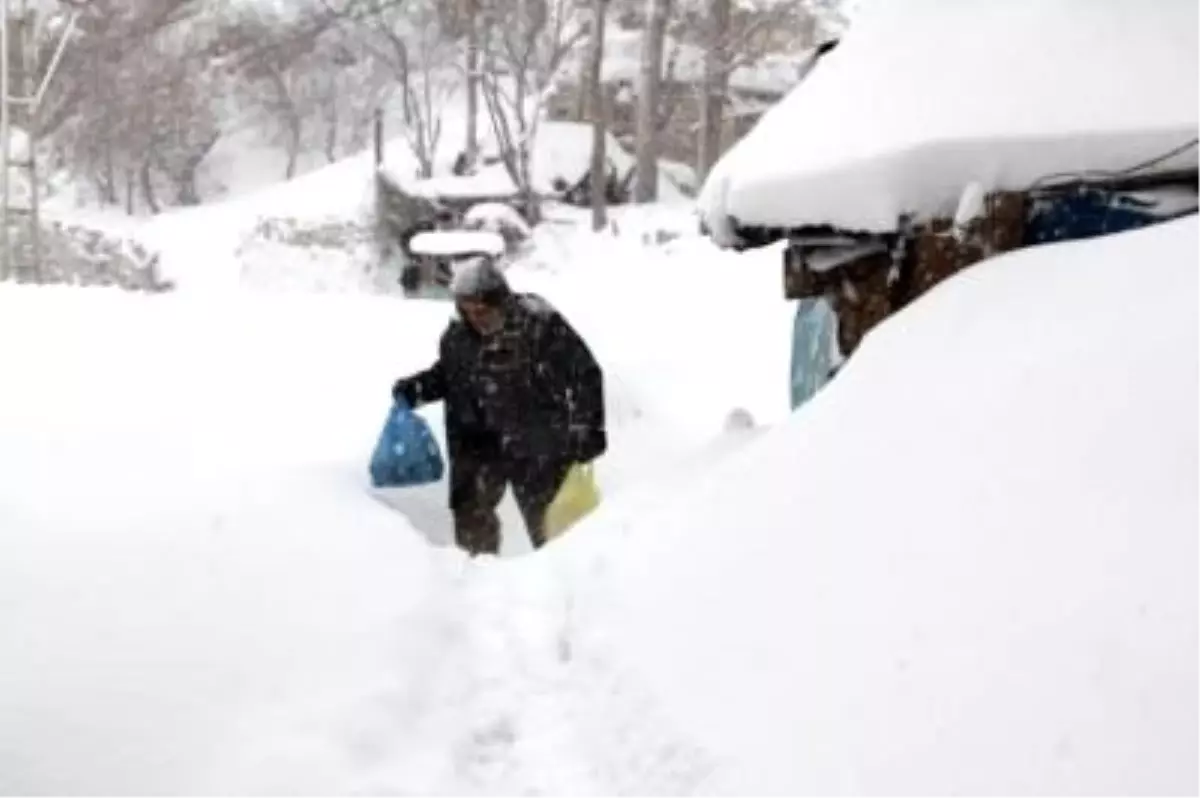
968 566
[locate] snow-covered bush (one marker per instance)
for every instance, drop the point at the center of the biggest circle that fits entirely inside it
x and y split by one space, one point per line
74 254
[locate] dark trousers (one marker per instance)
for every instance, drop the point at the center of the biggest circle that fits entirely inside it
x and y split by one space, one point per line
477 485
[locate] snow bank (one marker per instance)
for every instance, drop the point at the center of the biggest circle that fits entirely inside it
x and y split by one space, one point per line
212 247
922 98
187 541
968 566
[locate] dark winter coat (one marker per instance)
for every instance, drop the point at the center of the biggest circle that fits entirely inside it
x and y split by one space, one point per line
532 391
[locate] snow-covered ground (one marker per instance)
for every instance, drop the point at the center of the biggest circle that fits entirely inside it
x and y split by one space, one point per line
172 467
968 565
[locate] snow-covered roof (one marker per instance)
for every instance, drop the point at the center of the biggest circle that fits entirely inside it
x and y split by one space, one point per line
448 243
924 97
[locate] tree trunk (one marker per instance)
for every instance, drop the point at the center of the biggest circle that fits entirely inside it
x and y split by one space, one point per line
103 191
430 121
645 184
186 191
333 123
130 198
421 146
716 81
404 72
148 187
472 143
599 171
110 172
525 147
377 136
583 90
293 144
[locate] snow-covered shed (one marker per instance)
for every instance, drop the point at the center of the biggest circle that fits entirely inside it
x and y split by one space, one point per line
937 134
924 98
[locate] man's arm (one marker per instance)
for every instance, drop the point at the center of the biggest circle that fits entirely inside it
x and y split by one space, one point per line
429 385
583 385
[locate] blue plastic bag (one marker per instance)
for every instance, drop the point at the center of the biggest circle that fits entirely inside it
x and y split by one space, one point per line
406 453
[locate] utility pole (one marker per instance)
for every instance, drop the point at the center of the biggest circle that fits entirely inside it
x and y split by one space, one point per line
32 92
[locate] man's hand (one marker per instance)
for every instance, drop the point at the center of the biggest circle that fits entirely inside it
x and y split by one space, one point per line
404 391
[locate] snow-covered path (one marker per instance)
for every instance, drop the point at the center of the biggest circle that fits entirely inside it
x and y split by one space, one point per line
203 595
500 693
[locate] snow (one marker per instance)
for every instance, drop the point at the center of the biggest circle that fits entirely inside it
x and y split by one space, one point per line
457 242
18 144
199 593
968 565
181 543
681 174
498 218
562 152
920 99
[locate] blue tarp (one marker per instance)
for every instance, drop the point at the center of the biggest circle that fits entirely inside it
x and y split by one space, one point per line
1085 213
406 453
812 348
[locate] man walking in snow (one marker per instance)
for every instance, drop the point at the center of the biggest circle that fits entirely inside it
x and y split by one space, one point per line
524 402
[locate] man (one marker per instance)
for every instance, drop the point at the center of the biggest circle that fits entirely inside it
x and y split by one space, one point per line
524 402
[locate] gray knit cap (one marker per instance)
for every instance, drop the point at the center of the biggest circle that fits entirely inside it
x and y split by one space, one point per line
481 279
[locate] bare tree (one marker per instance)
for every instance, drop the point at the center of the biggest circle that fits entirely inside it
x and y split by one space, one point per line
350 87
527 44
741 37
411 39
274 72
135 110
599 165
107 31
645 185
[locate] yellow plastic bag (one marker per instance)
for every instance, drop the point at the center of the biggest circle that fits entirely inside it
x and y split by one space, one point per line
577 497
